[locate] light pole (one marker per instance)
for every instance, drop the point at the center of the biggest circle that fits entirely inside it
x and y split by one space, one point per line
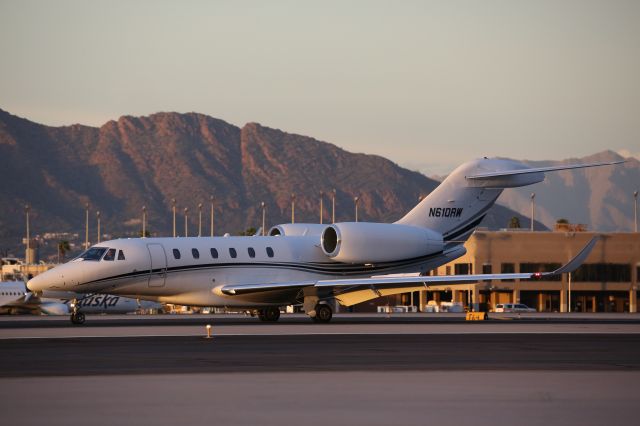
186 229
569 292
28 252
263 218
333 206
211 201
533 208
355 200
200 220
98 216
173 208
293 208
321 207
635 211
144 221
86 226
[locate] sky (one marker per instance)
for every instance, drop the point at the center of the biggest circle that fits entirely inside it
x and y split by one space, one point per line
427 84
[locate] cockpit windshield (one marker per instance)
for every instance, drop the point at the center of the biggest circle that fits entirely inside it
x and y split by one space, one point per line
94 253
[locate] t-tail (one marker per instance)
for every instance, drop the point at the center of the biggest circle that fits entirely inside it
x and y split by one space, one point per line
458 205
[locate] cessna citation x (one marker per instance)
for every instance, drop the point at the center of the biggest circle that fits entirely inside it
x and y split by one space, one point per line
307 264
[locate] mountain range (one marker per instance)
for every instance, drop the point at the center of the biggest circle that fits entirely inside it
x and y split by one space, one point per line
601 197
148 161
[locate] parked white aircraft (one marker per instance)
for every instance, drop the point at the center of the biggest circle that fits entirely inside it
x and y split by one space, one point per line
307 264
15 297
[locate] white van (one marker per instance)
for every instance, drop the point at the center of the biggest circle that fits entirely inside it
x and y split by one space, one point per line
513 307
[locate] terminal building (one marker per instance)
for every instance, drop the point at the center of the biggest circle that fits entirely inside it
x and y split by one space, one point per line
606 282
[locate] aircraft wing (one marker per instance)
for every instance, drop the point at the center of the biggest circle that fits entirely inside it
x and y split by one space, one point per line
403 280
540 170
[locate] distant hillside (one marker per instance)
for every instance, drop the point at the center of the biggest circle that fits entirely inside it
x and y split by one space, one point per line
138 161
600 197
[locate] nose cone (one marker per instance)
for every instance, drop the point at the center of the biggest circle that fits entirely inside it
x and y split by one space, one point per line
37 283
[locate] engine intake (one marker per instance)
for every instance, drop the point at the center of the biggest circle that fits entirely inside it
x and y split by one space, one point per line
364 242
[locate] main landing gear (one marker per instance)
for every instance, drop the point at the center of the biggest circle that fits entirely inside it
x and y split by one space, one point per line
270 314
77 317
323 313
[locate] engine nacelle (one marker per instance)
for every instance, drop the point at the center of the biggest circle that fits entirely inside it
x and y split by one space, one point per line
54 308
297 229
364 242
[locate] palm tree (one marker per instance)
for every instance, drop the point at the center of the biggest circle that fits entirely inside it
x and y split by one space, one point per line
514 222
63 248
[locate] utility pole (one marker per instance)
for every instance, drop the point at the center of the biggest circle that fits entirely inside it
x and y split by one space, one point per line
321 208
533 208
86 226
263 218
293 208
144 221
200 220
635 211
27 257
333 206
98 216
211 200
173 208
355 200
186 229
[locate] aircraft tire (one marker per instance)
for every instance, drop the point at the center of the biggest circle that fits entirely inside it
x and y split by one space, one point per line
323 313
271 314
77 318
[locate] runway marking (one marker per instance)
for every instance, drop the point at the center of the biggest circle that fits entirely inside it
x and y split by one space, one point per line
203 335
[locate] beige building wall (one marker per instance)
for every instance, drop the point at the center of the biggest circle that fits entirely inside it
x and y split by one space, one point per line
488 251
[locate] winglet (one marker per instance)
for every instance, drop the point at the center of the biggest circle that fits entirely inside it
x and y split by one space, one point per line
578 260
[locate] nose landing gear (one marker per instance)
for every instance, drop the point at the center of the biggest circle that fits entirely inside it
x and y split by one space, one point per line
77 317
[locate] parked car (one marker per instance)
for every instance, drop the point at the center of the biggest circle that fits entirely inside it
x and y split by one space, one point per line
513 307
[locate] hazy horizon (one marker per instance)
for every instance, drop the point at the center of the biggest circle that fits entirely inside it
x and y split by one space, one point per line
425 84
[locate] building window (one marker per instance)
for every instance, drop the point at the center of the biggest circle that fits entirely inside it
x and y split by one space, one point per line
233 253
176 254
487 269
195 253
252 252
603 272
507 268
269 252
214 253
447 270
120 255
463 269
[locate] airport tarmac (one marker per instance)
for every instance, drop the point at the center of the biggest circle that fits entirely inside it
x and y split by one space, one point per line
363 369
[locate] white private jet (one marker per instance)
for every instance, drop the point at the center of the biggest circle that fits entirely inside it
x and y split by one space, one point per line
16 298
307 264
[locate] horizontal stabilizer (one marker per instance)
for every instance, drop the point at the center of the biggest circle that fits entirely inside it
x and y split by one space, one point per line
539 170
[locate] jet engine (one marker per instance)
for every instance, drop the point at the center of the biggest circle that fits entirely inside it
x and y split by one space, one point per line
296 229
364 242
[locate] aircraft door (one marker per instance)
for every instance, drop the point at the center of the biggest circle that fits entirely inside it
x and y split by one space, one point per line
157 265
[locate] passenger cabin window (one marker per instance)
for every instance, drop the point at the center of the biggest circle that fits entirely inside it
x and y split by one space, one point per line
214 253
176 254
121 255
195 253
269 252
252 252
111 255
233 253
94 253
